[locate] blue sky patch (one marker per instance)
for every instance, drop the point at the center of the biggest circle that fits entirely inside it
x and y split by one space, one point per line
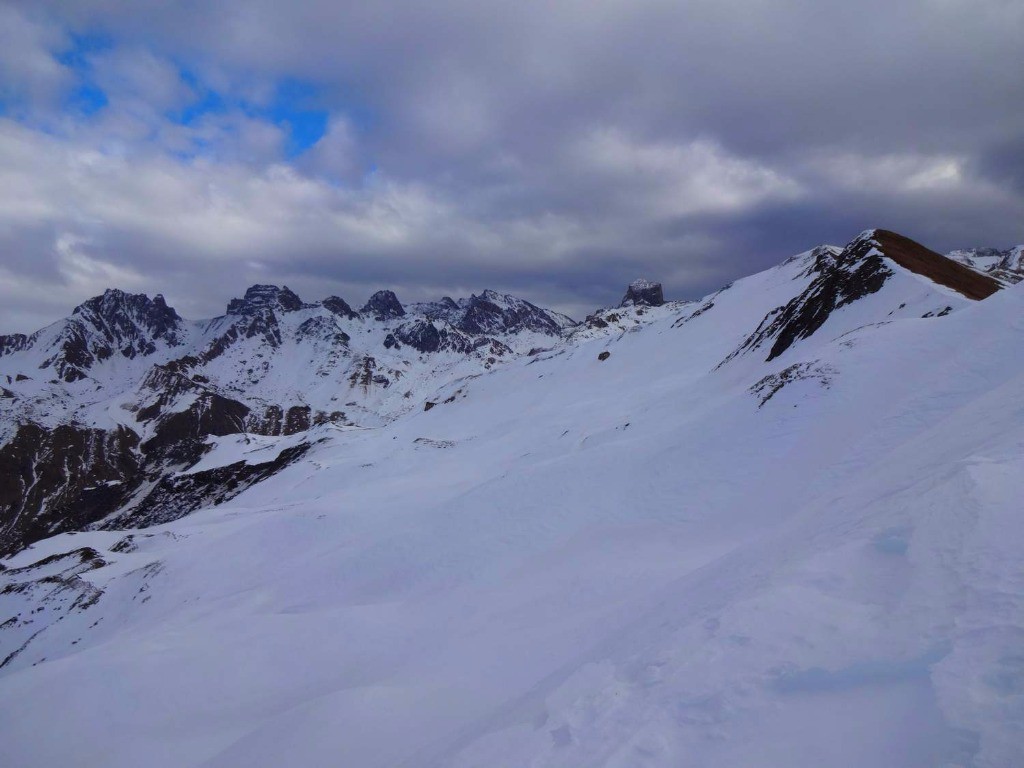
296 109
87 99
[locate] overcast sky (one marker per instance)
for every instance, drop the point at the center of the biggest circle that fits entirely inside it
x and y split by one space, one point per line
553 149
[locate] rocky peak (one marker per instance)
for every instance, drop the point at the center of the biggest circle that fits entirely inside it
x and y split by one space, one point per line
916 258
116 323
491 312
259 297
383 305
643 293
338 306
860 269
118 314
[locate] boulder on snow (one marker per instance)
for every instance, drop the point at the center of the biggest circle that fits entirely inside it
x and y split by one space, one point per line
643 293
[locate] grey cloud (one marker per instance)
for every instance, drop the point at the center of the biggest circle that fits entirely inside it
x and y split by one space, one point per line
556 150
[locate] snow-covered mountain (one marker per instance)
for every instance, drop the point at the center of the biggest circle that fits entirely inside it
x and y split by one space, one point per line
776 526
123 394
1006 266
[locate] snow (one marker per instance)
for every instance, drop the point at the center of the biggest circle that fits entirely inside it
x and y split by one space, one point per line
1006 266
628 562
252 449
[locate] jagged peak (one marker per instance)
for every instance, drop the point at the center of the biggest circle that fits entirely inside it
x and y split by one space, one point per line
490 296
119 315
265 296
383 305
338 306
493 312
489 293
114 299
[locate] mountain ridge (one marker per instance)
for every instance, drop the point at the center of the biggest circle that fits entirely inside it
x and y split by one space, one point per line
126 373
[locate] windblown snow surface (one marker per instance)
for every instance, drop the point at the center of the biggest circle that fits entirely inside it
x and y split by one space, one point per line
646 560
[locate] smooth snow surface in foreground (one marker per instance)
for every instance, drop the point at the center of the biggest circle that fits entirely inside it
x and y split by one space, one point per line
624 562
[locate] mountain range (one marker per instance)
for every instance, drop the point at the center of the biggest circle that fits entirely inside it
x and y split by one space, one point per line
778 525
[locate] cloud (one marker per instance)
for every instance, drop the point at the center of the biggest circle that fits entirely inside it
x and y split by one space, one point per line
553 149
138 77
664 180
29 70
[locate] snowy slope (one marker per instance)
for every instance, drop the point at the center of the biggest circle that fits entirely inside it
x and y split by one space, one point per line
683 553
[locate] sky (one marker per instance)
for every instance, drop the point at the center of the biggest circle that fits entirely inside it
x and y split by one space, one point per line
553 149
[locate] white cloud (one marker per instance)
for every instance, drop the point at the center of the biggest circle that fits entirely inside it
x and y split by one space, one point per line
336 153
555 150
28 68
137 77
681 179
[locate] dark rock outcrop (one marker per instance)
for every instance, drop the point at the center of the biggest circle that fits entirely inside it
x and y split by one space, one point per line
366 375
297 419
643 293
838 280
421 335
179 437
383 305
274 420
14 342
259 297
323 328
425 336
176 496
61 479
340 307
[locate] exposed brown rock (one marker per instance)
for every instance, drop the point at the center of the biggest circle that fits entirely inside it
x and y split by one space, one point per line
937 268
